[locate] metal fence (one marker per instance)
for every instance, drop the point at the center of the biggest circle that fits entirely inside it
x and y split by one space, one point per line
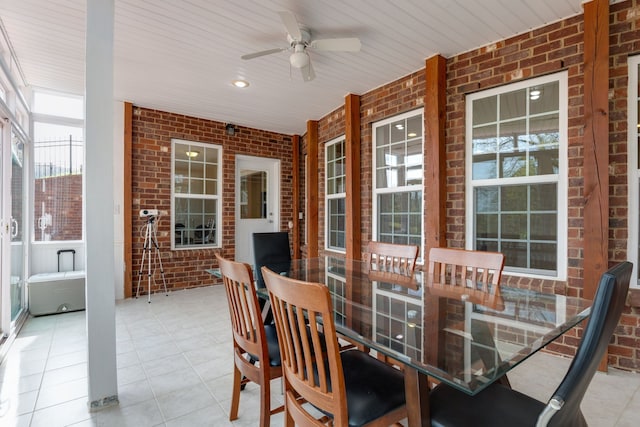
58 157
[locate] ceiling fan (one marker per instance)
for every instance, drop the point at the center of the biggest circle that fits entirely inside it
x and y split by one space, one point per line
299 39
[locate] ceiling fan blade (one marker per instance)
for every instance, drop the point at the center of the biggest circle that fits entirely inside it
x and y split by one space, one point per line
344 45
291 24
263 53
307 72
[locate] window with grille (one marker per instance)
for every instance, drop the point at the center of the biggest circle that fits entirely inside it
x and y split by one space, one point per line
335 168
58 163
397 179
196 188
516 174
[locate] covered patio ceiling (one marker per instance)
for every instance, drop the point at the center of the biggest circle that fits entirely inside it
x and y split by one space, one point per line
182 55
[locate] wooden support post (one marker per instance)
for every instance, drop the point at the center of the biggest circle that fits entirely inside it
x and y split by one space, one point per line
352 153
596 146
434 153
312 189
295 152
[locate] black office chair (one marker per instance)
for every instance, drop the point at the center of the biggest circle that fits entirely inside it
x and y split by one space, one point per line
271 250
501 406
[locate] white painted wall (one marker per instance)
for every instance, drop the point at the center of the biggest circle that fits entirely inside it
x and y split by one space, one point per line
44 256
100 206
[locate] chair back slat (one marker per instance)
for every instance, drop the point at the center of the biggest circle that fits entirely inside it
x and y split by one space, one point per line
392 257
471 269
246 321
253 360
310 357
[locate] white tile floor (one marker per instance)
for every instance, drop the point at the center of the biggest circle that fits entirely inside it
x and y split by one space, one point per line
175 364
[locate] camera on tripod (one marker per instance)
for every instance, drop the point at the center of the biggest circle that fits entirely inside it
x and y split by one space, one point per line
148 212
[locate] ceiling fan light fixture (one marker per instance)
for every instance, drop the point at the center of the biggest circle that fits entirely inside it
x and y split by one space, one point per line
299 58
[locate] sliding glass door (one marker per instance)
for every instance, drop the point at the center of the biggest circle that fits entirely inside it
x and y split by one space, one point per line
17 280
12 229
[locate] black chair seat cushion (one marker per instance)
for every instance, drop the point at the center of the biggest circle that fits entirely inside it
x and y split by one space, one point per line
272 345
496 406
373 387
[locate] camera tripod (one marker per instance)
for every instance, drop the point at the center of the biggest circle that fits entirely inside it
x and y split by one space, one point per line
150 243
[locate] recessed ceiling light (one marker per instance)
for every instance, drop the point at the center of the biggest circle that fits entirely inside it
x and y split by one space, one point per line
411 134
192 153
240 83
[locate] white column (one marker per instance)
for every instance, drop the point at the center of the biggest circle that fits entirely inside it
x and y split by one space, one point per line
99 205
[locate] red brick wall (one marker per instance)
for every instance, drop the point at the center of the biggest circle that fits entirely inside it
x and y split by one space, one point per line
151 187
399 96
62 197
624 32
556 47
330 126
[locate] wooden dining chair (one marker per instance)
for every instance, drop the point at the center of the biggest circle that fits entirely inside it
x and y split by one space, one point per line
351 388
476 270
501 406
470 276
256 352
272 250
392 257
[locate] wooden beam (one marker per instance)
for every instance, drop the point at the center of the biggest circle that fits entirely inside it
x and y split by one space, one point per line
434 153
596 146
312 189
295 182
128 201
352 153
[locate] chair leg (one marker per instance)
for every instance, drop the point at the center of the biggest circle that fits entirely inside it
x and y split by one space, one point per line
288 420
265 402
235 396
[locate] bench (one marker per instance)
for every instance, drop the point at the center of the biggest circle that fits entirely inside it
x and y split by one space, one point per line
58 292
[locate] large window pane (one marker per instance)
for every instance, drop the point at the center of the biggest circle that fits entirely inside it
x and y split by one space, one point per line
399 174
335 193
196 183
522 218
58 153
515 138
55 104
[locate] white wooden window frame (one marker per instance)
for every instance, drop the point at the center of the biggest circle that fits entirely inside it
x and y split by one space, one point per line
217 197
333 196
398 189
633 168
560 179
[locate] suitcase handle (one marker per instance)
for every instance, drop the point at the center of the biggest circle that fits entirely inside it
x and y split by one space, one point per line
73 251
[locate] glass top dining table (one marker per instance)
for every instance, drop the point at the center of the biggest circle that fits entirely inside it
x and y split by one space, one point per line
465 338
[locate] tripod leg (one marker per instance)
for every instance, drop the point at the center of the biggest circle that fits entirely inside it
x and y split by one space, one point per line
147 245
149 278
159 256
144 250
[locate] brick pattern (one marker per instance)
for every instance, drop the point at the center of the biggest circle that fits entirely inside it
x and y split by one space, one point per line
558 46
553 48
330 126
397 97
151 188
624 36
62 198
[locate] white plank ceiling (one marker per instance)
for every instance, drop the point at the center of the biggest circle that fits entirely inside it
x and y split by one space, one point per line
181 55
